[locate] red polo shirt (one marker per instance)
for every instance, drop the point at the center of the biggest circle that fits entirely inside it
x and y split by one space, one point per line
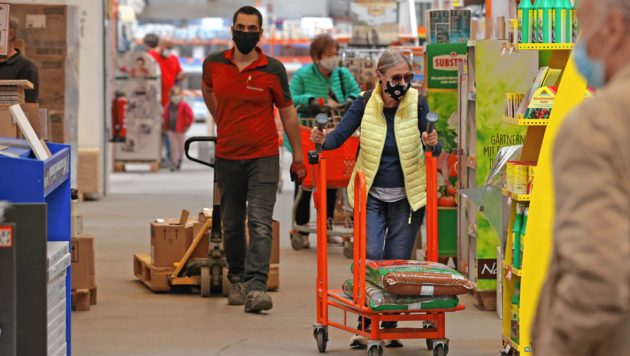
169 68
245 102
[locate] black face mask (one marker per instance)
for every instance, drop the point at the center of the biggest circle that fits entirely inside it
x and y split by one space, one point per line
245 41
396 91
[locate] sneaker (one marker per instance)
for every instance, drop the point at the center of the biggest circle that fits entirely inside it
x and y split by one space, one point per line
358 341
335 241
258 301
237 294
394 343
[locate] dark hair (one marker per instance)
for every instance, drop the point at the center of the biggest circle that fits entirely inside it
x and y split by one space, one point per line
248 10
151 40
140 59
321 43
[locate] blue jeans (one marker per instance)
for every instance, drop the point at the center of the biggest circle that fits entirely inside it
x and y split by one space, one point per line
390 235
248 190
167 147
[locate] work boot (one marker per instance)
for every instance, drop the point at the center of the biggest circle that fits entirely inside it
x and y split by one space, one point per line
394 343
258 301
237 294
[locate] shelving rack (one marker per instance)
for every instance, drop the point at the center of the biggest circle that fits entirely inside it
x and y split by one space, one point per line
537 244
29 180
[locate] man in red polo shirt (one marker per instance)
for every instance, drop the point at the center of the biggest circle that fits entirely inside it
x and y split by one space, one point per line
169 66
240 87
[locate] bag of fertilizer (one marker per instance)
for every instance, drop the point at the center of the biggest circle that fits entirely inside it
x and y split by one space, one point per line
417 278
381 300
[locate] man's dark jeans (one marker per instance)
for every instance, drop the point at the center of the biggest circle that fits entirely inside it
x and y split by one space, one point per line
248 190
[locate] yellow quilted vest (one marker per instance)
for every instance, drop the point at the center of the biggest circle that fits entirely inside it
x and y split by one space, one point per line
410 150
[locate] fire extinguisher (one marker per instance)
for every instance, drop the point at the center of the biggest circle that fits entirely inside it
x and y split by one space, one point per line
119 117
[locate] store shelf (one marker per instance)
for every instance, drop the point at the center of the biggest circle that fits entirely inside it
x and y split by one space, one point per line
514 345
545 46
525 122
515 271
517 197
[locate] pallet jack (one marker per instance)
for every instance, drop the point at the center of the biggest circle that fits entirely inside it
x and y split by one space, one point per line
209 273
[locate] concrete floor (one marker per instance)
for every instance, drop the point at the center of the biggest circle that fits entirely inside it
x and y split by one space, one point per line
131 320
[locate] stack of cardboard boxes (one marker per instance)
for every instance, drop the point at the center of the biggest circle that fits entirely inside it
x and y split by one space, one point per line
51 40
12 93
89 171
57 262
83 273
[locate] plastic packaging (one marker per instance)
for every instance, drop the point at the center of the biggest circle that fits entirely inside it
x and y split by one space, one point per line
521 174
526 17
517 230
417 278
515 315
380 300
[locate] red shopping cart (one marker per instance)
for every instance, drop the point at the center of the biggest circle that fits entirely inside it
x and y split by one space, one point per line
433 329
340 166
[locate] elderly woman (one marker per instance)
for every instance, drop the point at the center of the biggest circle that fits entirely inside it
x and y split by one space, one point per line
393 125
322 79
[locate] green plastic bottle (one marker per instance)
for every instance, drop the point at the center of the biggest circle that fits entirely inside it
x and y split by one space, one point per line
569 23
545 17
575 27
517 230
561 18
526 19
537 28
515 313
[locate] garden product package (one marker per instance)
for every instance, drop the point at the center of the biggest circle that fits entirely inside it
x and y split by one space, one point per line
417 278
381 300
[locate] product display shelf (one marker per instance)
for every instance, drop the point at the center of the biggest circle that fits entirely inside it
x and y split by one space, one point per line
545 46
525 122
537 240
480 135
516 196
29 180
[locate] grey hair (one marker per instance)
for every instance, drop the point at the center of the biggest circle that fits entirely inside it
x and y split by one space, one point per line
391 58
13 25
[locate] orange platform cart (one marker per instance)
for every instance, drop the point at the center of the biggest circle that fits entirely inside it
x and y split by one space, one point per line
433 326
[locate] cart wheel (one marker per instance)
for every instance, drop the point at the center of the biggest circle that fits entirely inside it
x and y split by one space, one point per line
205 282
375 350
348 250
322 340
440 350
429 341
297 241
227 285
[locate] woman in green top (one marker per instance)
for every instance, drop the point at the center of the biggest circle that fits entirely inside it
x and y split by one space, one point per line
336 85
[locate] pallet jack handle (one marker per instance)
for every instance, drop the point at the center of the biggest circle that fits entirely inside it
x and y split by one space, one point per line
199 139
432 193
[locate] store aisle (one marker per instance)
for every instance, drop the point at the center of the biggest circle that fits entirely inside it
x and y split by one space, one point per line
131 320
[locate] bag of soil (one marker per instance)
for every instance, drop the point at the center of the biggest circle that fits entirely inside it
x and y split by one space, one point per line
381 300
417 278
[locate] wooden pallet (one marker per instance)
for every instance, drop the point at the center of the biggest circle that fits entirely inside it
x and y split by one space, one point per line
156 278
83 298
120 165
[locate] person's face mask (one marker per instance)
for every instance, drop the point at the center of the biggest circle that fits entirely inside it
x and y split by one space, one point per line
593 70
330 63
245 41
167 53
396 91
176 99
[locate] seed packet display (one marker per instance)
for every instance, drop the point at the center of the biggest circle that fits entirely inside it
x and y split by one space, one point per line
380 300
417 278
438 17
460 26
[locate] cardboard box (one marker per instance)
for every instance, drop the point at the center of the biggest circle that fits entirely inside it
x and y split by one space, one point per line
169 241
8 127
275 243
192 229
273 282
83 271
89 171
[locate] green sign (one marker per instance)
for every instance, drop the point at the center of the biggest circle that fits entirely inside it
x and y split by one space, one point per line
442 61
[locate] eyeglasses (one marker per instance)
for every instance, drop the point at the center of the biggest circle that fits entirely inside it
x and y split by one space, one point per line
398 78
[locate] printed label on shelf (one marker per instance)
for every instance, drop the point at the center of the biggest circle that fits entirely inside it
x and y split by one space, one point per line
508 274
56 172
6 236
507 348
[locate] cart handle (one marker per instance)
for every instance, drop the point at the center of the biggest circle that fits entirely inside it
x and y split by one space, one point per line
359 269
199 139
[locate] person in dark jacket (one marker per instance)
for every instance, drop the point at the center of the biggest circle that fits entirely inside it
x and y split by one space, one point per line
393 122
322 79
17 66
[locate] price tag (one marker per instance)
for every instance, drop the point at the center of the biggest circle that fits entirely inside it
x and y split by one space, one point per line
507 348
6 236
510 201
508 275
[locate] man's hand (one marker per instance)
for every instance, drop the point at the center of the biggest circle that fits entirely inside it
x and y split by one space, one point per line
430 140
298 171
